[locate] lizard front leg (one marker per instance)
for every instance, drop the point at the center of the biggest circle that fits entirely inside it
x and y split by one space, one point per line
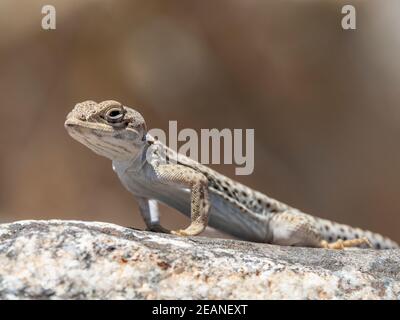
149 210
185 177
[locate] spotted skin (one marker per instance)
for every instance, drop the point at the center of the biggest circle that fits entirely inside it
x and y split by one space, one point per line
153 173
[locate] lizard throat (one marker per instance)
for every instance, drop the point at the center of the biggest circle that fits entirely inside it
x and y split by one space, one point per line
111 145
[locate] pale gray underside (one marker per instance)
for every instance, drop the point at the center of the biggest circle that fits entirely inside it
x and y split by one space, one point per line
223 215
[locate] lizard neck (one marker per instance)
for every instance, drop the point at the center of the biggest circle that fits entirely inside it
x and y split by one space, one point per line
135 163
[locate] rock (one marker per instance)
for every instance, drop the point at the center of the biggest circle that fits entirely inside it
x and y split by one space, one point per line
90 260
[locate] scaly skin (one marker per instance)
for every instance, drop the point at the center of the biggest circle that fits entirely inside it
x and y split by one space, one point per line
153 172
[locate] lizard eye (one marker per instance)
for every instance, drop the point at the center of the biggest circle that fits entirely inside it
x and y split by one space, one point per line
115 115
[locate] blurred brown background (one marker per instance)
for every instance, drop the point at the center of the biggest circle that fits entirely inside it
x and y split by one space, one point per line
324 102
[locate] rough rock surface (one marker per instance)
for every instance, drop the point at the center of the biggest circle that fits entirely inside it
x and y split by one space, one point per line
88 260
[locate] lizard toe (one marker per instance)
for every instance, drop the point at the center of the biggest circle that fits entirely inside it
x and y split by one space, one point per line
181 233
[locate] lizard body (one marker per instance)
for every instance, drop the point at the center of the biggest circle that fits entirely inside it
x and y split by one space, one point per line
153 172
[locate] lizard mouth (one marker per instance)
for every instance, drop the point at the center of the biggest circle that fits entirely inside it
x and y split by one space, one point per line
70 123
75 124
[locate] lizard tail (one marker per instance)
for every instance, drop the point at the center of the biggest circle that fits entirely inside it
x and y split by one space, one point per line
333 231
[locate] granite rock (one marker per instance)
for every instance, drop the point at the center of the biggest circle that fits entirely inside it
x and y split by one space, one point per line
58 259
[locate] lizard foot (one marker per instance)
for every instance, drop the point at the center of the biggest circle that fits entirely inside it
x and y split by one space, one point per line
157 228
341 244
181 233
193 230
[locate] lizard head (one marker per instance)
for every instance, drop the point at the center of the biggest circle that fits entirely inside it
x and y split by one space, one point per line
108 128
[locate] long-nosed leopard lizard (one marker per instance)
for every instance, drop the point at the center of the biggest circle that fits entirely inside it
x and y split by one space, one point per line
145 168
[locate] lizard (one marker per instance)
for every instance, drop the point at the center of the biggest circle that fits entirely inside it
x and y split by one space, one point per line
154 173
